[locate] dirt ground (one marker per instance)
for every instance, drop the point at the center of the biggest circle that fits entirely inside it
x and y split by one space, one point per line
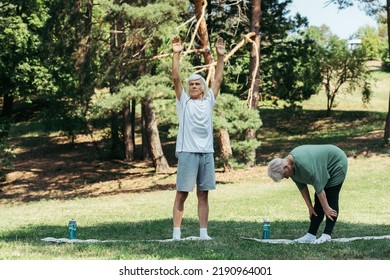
51 168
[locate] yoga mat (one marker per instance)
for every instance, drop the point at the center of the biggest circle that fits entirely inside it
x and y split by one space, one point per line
66 240
344 239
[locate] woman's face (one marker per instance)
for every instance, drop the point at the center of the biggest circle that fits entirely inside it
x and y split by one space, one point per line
288 170
195 89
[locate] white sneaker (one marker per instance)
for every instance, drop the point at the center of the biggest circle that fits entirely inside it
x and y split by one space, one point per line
176 235
307 238
203 234
205 237
324 238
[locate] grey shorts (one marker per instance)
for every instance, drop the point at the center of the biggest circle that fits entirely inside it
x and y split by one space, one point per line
195 168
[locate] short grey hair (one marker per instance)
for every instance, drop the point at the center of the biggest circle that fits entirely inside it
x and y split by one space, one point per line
276 169
203 82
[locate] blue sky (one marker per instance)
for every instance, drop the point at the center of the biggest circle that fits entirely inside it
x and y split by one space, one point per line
342 23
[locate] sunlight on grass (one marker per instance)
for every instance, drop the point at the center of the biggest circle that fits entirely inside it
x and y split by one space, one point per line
236 210
353 101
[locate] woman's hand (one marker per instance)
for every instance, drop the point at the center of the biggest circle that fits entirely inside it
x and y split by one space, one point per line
312 212
330 213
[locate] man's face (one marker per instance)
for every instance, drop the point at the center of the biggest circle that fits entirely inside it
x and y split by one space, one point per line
195 89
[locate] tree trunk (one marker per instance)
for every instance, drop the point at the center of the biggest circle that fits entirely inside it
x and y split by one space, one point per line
145 141
387 125
126 112
159 160
202 31
8 103
388 24
224 139
226 149
132 120
114 117
84 57
254 71
128 133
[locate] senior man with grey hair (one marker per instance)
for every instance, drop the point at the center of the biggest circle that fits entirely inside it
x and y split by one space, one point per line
194 144
325 168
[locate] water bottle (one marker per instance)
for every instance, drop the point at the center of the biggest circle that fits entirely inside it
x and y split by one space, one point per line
266 229
72 227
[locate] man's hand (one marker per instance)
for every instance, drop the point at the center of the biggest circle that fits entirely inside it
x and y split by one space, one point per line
177 47
220 46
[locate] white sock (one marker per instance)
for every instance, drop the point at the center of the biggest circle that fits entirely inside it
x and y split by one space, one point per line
203 234
324 237
176 233
307 238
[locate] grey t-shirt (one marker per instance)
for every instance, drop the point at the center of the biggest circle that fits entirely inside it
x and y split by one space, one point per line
195 133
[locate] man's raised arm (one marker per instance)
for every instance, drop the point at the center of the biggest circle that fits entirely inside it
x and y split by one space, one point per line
216 85
177 48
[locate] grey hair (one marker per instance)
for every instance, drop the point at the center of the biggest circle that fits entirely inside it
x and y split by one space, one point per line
276 169
203 82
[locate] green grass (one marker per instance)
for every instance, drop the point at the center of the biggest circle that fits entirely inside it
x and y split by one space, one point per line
353 102
237 209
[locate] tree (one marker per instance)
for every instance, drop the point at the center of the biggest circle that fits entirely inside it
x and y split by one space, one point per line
289 64
23 76
232 115
371 43
372 7
223 135
142 32
254 72
72 55
387 125
343 70
386 135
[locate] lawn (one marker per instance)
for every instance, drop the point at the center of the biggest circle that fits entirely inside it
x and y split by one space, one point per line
113 201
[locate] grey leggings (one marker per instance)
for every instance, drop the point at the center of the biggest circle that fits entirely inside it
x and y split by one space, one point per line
332 195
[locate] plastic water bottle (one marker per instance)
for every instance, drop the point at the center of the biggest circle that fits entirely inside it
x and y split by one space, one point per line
72 228
266 229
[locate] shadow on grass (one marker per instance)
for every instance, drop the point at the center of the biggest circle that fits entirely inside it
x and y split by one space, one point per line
51 168
353 131
227 243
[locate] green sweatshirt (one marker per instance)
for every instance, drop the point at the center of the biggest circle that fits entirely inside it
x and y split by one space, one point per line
321 166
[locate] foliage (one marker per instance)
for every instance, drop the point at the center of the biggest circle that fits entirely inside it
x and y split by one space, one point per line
53 51
135 214
22 72
6 154
232 114
73 69
386 60
342 69
289 69
371 7
371 44
293 74
157 86
231 20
